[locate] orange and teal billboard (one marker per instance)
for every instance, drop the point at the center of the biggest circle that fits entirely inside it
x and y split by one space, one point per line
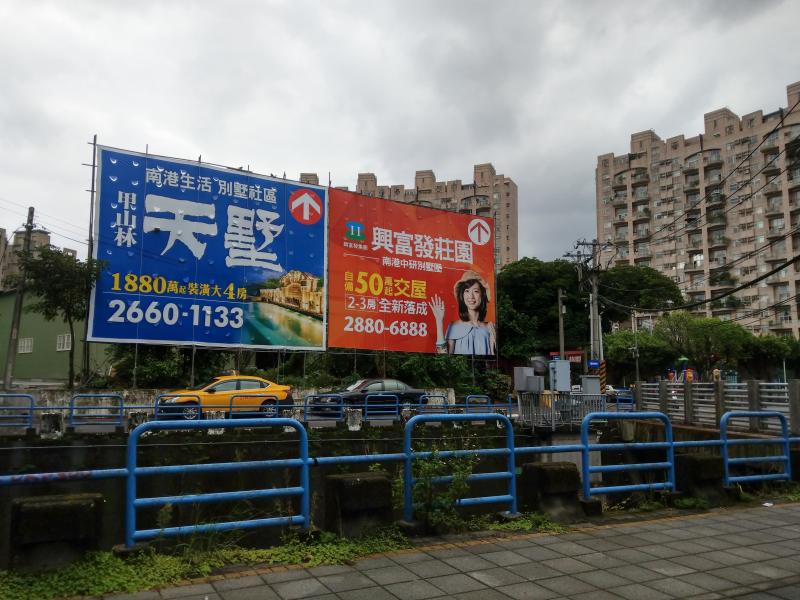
407 278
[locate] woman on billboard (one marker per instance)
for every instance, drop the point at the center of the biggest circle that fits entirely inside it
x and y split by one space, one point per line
471 334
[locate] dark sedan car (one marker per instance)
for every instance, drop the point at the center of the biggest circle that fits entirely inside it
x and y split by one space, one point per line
358 391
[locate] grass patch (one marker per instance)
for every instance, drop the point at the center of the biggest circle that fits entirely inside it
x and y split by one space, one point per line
103 573
527 522
691 503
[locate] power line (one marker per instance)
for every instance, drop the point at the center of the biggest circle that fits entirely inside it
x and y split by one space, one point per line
66 224
713 298
745 159
760 311
747 255
705 215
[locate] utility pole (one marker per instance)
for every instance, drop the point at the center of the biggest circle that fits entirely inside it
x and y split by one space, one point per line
13 338
587 260
635 349
561 324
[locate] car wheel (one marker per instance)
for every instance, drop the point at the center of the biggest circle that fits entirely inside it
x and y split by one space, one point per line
190 411
268 409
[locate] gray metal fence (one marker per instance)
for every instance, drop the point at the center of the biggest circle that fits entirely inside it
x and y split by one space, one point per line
554 410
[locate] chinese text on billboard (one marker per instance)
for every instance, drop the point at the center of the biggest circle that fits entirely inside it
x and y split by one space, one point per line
196 254
410 279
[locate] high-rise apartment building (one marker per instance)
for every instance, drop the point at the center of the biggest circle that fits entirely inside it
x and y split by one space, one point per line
713 211
9 261
490 194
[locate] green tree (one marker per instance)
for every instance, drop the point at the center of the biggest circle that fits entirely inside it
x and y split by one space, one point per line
654 355
707 342
528 293
765 355
165 366
61 284
642 287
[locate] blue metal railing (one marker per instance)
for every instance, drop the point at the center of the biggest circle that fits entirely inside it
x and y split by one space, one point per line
408 456
587 448
425 404
323 407
132 502
509 475
96 415
17 415
783 441
254 405
382 406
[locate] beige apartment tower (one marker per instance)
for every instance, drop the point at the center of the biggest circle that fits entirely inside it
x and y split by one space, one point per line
713 211
490 195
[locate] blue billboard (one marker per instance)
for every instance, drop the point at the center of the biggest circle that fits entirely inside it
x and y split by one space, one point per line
197 254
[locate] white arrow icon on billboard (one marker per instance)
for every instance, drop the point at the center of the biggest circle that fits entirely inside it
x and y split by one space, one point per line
308 203
479 231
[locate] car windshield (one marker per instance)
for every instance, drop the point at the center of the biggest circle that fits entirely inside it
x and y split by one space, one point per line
355 385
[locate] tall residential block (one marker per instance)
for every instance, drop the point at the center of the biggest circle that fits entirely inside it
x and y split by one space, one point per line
490 194
713 211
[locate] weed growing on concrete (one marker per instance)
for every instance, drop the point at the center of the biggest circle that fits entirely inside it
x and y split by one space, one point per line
526 522
691 503
103 573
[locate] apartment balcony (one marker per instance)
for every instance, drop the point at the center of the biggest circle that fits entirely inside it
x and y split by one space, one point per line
641 234
774 232
793 178
715 198
770 143
619 183
781 324
694 268
640 198
712 159
774 210
777 279
772 165
717 222
773 187
620 201
720 307
621 218
621 238
641 178
713 178
718 242
690 167
641 215
622 260
695 244
691 185
776 256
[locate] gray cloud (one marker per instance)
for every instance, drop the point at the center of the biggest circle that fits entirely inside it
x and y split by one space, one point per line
538 88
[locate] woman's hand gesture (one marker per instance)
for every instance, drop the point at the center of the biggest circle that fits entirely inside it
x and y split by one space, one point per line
437 308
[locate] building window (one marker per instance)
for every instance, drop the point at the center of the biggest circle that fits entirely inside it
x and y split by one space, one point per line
25 345
63 342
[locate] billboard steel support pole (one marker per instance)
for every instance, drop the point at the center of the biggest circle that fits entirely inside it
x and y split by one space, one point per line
89 257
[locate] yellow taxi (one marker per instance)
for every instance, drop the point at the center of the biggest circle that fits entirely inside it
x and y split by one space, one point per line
235 395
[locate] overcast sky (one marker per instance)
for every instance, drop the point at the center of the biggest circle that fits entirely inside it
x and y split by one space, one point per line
539 89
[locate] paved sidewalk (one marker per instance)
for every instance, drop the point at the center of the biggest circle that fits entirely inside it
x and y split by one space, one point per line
752 554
